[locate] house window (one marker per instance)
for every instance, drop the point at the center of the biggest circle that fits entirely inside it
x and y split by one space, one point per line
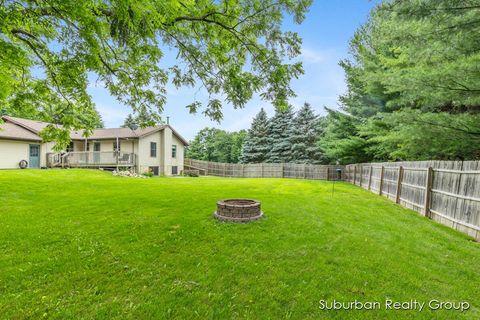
115 146
153 149
174 150
88 146
70 147
174 170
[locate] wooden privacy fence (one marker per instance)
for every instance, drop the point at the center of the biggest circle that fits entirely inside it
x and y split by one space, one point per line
265 170
445 191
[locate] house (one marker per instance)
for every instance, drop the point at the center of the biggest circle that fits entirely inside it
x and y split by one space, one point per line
159 149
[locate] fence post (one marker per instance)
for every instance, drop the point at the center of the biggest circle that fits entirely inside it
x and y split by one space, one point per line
243 170
283 170
399 184
428 191
381 180
370 178
354 174
262 168
304 171
361 174
328 173
224 169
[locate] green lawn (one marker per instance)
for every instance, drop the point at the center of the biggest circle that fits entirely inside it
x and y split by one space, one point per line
84 244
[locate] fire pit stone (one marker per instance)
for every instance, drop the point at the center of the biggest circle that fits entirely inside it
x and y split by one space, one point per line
238 210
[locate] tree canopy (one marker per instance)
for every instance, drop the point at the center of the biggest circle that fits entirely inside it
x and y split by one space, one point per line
232 48
211 144
413 85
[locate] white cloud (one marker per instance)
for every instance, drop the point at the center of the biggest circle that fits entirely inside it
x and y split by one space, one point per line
312 56
113 114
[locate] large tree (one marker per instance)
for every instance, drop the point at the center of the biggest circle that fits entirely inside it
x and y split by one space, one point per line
341 140
31 108
305 135
211 144
413 85
231 48
256 146
280 132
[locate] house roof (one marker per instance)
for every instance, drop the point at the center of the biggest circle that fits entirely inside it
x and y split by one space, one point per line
25 129
15 132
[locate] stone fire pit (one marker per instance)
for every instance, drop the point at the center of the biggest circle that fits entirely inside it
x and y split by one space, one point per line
238 210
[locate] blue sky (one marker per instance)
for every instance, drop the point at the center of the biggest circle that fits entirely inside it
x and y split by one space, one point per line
325 32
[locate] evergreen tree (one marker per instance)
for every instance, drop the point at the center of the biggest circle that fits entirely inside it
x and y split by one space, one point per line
141 120
256 146
279 137
129 122
305 135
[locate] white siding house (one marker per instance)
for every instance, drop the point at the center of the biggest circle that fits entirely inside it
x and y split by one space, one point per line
159 149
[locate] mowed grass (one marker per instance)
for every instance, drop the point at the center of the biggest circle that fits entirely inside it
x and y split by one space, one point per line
82 244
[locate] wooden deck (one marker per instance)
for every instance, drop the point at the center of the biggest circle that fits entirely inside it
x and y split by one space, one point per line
91 159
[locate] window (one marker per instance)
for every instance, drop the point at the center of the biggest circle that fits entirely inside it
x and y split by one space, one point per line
174 170
34 150
88 146
70 147
153 149
174 150
115 147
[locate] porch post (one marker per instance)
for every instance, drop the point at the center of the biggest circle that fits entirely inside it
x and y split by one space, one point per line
85 149
116 154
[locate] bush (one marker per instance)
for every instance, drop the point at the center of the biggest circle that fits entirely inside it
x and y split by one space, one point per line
148 174
191 173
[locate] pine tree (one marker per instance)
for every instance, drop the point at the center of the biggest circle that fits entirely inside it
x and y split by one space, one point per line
256 145
279 138
305 134
129 122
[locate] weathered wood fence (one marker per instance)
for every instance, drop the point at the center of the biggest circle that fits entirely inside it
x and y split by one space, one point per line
445 191
265 170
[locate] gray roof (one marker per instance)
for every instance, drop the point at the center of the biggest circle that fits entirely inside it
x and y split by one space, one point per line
25 129
12 131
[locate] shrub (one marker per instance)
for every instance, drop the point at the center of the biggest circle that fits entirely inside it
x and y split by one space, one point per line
191 173
148 173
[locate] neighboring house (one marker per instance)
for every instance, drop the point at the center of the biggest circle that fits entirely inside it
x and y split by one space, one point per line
159 149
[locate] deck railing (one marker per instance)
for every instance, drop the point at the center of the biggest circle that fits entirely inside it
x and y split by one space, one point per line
93 159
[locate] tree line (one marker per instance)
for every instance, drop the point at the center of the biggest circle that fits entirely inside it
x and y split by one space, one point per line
413 93
286 137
